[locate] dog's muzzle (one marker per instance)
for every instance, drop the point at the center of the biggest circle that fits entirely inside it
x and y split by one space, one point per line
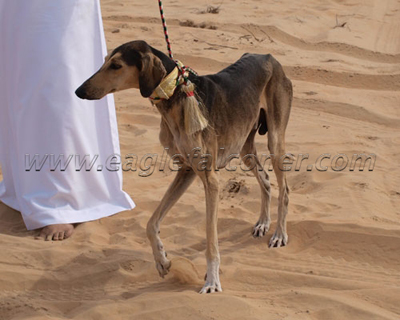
81 93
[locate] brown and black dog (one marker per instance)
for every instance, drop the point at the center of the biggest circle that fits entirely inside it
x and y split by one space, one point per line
252 95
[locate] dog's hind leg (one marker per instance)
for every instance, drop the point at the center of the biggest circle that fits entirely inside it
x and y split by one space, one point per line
182 181
279 98
250 159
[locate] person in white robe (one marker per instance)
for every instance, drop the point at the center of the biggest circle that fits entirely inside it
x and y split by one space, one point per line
47 49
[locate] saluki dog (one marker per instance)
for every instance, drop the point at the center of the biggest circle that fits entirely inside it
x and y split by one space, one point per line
230 107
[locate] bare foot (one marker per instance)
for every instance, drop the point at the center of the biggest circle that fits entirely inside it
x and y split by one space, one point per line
56 232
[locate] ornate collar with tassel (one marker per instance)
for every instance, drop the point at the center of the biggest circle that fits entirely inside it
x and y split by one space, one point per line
194 119
167 87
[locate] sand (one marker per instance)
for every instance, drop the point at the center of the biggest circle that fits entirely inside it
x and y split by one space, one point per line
343 257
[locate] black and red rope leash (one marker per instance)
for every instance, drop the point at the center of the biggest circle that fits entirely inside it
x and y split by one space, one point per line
182 69
164 23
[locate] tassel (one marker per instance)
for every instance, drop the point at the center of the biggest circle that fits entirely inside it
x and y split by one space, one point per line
194 118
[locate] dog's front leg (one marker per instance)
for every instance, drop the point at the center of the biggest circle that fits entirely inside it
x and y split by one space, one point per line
211 185
182 181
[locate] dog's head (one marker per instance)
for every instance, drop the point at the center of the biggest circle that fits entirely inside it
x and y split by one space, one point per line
132 65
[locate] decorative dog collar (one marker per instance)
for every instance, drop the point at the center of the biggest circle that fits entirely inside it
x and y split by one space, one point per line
167 87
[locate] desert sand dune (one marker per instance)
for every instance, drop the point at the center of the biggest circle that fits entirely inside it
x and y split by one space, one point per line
343 257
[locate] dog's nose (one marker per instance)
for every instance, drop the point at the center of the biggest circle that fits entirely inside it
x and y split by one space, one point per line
81 92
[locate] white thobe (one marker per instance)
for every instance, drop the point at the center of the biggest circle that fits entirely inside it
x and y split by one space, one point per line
47 49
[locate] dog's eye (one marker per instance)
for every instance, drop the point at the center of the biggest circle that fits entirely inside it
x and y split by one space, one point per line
115 66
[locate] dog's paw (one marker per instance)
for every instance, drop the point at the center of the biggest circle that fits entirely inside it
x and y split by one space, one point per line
163 265
211 287
260 229
279 239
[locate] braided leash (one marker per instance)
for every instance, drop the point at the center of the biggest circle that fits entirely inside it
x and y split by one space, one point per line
164 23
182 69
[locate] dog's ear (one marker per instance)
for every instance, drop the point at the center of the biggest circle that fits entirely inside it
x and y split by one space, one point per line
151 73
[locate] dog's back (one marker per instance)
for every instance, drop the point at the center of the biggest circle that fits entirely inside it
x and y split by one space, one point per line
236 86
236 97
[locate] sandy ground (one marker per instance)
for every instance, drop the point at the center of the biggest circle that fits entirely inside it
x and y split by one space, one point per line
343 257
